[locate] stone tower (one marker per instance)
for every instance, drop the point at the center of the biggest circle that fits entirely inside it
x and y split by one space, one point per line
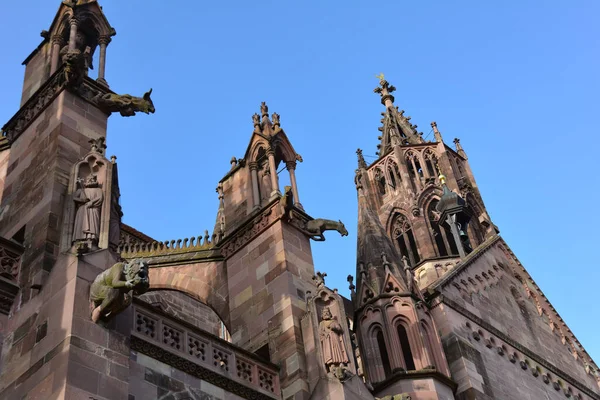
443 309
60 215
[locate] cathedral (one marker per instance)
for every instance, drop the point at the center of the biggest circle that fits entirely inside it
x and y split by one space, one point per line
91 308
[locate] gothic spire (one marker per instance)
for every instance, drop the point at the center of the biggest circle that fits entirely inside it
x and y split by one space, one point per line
396 128
376 255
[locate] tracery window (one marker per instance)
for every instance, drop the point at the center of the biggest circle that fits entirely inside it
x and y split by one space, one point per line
442 236
403 234
385 359
431 163
380 180
414 170
405 346
394 174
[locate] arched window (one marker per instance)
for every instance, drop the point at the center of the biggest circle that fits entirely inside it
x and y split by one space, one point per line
380 179
402 232
431 163
414 169
405 346
394 173
385 359
475 230
442 236
392 178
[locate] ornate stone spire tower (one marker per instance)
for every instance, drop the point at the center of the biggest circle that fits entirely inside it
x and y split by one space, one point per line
397 337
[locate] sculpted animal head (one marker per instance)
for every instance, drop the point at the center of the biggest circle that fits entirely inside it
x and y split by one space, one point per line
144 104
342 229
137 270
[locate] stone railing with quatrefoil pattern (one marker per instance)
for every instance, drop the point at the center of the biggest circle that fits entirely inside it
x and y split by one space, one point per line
195 348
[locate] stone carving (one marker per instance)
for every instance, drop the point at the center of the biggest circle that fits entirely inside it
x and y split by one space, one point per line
256 120
319 279
76 66
9 263
89 197
125 104
286 203
315 228
332 343
247 233
110 290
264 109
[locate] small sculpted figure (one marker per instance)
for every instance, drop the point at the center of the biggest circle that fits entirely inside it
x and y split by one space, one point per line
332 343
110 290
89 197
265 183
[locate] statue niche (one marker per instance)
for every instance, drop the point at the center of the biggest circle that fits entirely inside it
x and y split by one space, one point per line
110 291
92 217
89 198
332 343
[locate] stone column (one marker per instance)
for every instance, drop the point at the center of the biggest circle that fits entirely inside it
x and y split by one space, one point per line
291 167
56 44
255 194
103 41
274 179
73 33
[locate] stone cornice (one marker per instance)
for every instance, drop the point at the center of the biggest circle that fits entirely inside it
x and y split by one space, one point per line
42 98
535 357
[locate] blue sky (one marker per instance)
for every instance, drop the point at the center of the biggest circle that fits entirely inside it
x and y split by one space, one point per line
517 81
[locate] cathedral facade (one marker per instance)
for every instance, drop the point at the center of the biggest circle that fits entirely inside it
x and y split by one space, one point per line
91 308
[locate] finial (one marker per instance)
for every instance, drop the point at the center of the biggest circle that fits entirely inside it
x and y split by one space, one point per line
459 148
256 120
113 159
361 160
98 145
319 279
384 90
275 118
442 179
264 110
436 132
351 286
234 160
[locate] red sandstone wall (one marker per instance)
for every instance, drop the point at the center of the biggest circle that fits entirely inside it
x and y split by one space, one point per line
503 302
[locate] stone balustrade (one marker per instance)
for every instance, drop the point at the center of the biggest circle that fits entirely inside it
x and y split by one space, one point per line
202 354
153 249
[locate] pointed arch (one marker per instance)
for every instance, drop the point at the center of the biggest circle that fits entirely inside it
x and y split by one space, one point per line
380 181
415 172
476 230
402 233
431 162
442 237
393 173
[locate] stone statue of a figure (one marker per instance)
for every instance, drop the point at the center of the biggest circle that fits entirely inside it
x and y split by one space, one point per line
88 197
265 183
332 343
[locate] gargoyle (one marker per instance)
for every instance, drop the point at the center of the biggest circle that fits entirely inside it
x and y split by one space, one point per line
125 104
315 228
110 291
